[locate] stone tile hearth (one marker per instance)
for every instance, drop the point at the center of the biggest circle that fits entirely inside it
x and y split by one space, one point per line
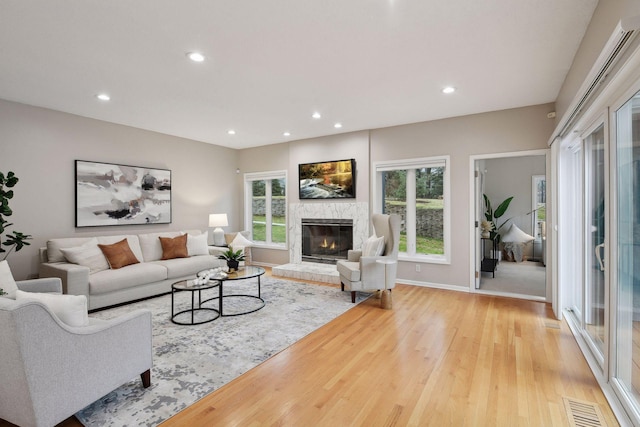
325 273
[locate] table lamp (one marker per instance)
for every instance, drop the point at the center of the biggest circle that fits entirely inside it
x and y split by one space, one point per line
217 221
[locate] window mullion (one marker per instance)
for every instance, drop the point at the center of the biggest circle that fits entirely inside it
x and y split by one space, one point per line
267 210
410 221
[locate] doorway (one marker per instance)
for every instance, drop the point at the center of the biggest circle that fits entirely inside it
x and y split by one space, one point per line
510 252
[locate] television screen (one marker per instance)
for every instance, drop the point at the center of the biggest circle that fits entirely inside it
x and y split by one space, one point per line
328 180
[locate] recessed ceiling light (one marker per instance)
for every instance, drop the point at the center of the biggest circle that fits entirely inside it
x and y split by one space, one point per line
195 56
287 134
449 89
231 132
103 97
316 115
337 125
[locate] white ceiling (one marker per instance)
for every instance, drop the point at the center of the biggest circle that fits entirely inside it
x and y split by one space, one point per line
271 64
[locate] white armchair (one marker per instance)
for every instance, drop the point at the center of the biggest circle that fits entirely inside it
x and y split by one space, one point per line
364 273
49 370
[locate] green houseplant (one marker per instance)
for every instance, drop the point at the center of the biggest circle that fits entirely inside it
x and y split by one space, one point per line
493 215
233 258
11 240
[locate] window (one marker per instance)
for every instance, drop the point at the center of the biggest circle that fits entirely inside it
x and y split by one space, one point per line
418 191
539 206
266 207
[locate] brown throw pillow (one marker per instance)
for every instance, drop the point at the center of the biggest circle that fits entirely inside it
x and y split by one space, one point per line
174 247
119 254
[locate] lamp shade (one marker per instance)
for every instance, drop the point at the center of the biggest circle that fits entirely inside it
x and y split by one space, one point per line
218 220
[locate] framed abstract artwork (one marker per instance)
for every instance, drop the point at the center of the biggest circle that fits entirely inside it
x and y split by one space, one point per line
110 194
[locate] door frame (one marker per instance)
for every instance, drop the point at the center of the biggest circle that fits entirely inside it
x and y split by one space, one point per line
550 292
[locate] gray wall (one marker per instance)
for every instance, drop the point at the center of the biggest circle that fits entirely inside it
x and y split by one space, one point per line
40 146
460 137
502 131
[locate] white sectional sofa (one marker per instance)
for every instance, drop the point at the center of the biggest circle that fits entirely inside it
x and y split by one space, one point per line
151 276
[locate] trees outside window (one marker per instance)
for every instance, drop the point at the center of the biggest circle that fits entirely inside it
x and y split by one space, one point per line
417 190
266 201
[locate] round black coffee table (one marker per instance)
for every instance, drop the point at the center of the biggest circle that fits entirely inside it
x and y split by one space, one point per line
189 285
246 272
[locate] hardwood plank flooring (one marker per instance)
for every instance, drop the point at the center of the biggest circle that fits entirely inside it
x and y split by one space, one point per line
438 358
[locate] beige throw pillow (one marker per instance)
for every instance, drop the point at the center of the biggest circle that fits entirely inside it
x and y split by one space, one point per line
197 244
88 255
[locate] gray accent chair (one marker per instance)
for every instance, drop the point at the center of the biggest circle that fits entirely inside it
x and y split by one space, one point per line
49 370
364 273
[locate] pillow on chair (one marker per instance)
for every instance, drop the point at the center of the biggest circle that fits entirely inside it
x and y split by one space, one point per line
70 309
373 246
6 280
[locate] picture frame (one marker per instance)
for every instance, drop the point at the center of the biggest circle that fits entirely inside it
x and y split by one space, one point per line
334 179
108 194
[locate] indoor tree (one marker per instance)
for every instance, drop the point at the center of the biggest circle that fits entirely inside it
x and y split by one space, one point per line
14 240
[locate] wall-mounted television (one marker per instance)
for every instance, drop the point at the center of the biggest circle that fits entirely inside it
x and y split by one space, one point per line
328 180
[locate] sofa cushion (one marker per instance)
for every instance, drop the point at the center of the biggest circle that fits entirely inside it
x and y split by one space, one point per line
349 270
188 266
7 283
88 255
70 309
198 244
151 246
128 277
132 240
119 254
174 247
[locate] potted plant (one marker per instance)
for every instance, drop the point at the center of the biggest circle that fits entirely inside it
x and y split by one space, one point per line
233 258
14 240
493 215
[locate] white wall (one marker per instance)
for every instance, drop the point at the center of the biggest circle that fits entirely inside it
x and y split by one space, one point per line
40 146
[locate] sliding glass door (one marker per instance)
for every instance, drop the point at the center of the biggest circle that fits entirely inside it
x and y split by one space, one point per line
594 264
627 175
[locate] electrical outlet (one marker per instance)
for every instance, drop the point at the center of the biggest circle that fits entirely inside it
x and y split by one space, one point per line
418 268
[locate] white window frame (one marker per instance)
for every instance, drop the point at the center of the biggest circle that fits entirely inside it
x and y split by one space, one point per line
378 200
249 178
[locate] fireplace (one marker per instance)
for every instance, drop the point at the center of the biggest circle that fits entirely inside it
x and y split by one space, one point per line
326 240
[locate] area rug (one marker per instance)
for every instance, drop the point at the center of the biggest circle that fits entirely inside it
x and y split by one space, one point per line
190 362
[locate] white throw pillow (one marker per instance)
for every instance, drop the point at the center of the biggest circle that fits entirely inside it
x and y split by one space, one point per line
240 242
87 255
6 280
373 246
515 235
70 309
197 244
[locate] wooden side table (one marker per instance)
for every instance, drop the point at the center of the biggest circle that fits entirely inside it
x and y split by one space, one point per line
385 299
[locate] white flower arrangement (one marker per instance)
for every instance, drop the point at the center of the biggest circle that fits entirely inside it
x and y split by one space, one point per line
204 276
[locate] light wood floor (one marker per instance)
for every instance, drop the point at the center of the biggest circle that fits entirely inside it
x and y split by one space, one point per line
439 358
